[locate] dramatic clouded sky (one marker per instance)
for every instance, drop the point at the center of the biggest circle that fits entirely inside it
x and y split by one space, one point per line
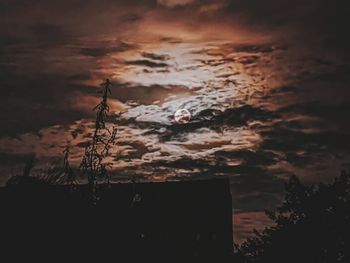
267 84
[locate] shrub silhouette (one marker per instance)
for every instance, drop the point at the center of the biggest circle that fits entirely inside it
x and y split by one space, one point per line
312 225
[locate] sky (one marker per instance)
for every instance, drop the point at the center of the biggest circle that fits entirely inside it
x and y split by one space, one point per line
266 82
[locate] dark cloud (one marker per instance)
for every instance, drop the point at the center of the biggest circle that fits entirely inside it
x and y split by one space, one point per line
131 18
173 40
249 48
108 48
136 149
213 62
331 113
315 22
49 35
218 120
154 56
248 59
175 3
47 97
146 63
142 125
79 77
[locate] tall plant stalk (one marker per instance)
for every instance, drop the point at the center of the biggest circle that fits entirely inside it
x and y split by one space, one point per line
92 164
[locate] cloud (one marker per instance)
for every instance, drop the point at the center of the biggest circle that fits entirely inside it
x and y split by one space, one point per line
173 3
147 94
49 35
106 48
308 23
217 120
44 96
131 18
155 56
146 63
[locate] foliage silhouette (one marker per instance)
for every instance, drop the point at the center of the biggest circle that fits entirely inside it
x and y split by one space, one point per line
312 225
64 174
57 175
93 164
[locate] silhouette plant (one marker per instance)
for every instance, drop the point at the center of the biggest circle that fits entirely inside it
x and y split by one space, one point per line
311 225
67 169
93 163
64 174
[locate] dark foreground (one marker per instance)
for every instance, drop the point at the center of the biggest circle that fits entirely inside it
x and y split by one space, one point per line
148 222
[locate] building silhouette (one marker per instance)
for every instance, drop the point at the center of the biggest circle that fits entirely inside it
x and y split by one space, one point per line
144 222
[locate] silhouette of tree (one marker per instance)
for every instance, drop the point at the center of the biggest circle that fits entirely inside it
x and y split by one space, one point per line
311 225
93 164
